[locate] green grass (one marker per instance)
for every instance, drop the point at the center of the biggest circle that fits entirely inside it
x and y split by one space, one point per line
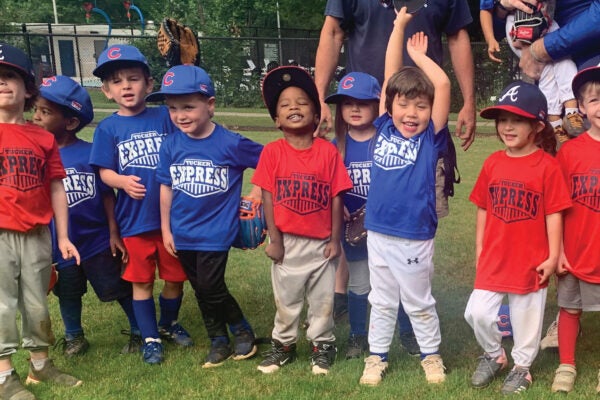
108 375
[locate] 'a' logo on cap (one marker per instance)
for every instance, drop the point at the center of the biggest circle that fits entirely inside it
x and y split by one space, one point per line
348 82
168 78
114 53
513 92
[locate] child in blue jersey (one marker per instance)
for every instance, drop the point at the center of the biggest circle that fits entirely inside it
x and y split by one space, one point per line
200 171
64 108
125 150
401 219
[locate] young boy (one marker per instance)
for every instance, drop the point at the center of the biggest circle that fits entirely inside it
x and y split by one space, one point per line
302 180
579 266
401 220
31 191
63 109
125 150
201 170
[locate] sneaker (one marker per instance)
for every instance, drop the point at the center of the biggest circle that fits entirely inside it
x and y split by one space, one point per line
434 368
176 333
561 135
551 338
152 351
13 389
487 369
135 343
573 124
219 352
357 345
244 346
409 342
76 346
49 373
340 306
374 371
518 380
564 378
322 357
277 357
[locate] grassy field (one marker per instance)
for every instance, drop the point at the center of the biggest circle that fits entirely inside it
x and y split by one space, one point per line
108 375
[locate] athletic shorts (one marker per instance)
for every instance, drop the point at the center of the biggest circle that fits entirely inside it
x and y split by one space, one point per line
577 294
146 253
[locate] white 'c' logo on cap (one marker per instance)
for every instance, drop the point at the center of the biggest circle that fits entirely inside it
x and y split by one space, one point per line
513 92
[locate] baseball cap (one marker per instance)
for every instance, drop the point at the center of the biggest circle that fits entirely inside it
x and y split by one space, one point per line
357 85
521 98
65 92
590 71
183 79
119 55
17 59
282 78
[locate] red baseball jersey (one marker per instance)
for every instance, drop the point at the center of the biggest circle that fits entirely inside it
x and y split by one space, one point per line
303 184
517 194
29 160
580 162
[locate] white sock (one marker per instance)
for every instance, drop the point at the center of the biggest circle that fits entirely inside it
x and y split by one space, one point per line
571 111
556 124
5 374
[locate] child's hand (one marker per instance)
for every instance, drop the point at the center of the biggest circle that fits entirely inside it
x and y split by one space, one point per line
275 251
493 47
546 269
68 250
402 18
133 188
563 265
417 45
346 214
169 243
332 250
116 244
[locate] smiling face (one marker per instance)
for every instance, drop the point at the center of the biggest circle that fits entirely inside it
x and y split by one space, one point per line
128 87
518 133
411 115
296 112
13 92
359 114
192 113
589 104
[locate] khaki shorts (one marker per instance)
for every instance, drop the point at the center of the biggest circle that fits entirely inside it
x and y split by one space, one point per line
441 200
577 294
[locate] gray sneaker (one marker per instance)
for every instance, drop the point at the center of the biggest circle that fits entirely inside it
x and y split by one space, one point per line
357 346
487 369
13 389
518 380
49 373
410 344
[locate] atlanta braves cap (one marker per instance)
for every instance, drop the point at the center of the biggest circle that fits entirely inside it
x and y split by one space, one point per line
65 92
357 85
282 78
119 56
590 71
183 79
17 59
521 98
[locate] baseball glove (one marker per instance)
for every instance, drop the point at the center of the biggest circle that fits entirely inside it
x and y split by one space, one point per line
177 43
528 28
253 226
356 234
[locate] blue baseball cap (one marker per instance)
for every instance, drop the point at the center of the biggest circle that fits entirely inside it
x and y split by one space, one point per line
282 78
521 98
184 79
65 92
590 71
17 59
357 85
119 56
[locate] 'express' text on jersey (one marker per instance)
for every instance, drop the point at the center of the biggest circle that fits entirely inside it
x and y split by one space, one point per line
302 193
21 169
141 150
395 152
199 178
512 201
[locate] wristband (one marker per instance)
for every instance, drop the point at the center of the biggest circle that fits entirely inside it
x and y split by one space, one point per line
534 56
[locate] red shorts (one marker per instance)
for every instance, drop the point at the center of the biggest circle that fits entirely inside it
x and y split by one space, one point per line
146 253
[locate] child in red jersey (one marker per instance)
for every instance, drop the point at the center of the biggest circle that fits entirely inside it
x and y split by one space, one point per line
302 180
579 265
520 195
31 192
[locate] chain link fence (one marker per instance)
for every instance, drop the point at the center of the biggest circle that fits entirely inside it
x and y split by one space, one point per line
236 65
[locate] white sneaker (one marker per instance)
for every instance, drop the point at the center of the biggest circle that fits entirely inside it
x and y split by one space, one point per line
551 338
374 370
434 368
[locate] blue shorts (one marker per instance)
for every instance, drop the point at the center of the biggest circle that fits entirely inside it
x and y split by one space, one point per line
104 273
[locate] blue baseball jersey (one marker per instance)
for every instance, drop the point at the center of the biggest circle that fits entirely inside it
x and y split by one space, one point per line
130 146
88 224
402 192
206 178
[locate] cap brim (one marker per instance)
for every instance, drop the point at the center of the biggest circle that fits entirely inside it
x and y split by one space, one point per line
336 98
583 76
107 67
276 81
160 95
492 112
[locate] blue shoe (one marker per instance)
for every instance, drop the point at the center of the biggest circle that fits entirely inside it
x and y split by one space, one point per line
153 352
177 334
243 345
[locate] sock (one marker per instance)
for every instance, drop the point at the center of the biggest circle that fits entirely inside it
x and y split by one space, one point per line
38 364
358 305
404 325
556 124
242 325
145 315
127 306
70 311
169 310
568 329
571 110
219 340
5 374
423 355
384 356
